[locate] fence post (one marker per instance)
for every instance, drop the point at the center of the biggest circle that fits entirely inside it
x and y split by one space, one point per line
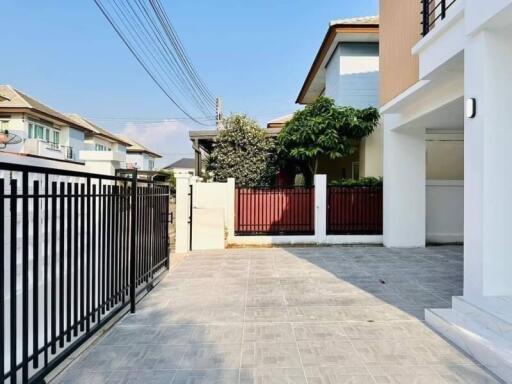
132 240
182 212
321 208
230 208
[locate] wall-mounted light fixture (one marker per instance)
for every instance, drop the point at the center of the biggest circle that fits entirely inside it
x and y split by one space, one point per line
471 108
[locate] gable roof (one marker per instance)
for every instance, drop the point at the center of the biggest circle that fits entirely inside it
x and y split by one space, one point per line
12 98
186 163
95 129
280 121
136 147
358 29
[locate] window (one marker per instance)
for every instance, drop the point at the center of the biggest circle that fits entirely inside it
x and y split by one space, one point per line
4 125
151 164
101 147
43 133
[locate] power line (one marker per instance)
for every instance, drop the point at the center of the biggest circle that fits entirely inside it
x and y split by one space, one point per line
153 42
173 36
160 58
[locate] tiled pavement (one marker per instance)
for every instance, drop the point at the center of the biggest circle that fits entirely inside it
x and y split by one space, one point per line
333 315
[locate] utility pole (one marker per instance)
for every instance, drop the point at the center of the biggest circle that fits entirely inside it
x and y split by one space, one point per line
218 113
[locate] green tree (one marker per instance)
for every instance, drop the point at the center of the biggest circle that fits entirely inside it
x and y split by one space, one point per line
242 150
323 129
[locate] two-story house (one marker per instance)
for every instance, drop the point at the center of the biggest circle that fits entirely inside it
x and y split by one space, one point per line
138 156
445 70
346 69
45 133
103 151
48 136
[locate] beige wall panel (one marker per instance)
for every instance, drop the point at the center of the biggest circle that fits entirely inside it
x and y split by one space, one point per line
445 160
399 32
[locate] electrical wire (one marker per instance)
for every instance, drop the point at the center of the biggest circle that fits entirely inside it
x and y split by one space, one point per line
148 34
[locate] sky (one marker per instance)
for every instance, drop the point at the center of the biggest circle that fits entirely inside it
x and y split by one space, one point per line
254 54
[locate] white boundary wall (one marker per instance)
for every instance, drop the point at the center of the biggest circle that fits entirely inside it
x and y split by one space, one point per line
214 218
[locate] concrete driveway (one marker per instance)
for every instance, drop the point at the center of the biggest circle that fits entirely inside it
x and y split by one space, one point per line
289 315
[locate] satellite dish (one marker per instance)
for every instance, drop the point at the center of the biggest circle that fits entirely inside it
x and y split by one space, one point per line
7 138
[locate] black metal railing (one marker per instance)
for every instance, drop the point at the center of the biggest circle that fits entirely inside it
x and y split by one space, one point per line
432 11
354 210
275 211
75 249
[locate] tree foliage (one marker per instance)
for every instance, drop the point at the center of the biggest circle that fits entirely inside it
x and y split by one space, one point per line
243 150
323 129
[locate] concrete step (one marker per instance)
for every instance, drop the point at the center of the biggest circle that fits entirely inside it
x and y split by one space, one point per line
489 348
487 314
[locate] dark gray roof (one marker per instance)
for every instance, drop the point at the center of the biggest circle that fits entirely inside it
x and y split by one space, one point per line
182 163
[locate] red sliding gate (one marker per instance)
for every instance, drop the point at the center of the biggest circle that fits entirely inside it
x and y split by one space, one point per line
354 210
275 211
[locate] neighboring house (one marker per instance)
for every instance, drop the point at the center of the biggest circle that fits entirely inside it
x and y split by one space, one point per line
184 165
138 156
203 141
346 69
46 133
452 79
103 151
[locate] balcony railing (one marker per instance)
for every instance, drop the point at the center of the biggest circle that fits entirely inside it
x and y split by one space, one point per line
68 152
432 11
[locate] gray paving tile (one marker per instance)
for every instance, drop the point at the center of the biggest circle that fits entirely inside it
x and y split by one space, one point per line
338 375
269 333
272 376
81 376
208 376
328 353
271 355
330 315
208 356
151 376
318 331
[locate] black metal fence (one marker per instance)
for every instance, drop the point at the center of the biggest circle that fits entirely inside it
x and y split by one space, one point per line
275 211
75 249
432 11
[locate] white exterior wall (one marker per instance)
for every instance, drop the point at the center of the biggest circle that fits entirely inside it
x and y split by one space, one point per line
352 75
404 186
140 160
103 162
488 208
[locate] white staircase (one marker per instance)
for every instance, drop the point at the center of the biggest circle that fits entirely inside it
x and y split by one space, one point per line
481 327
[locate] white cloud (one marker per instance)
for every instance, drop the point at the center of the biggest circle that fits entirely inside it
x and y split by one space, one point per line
169 138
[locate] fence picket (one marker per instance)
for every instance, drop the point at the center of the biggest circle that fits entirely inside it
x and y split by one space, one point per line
78 241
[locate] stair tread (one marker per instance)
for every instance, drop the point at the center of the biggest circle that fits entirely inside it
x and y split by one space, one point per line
473 328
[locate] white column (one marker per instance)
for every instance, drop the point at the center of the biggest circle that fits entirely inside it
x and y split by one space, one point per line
182 212
488 160
404 186
320 208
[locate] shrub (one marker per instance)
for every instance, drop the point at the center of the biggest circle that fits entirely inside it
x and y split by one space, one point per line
362 182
